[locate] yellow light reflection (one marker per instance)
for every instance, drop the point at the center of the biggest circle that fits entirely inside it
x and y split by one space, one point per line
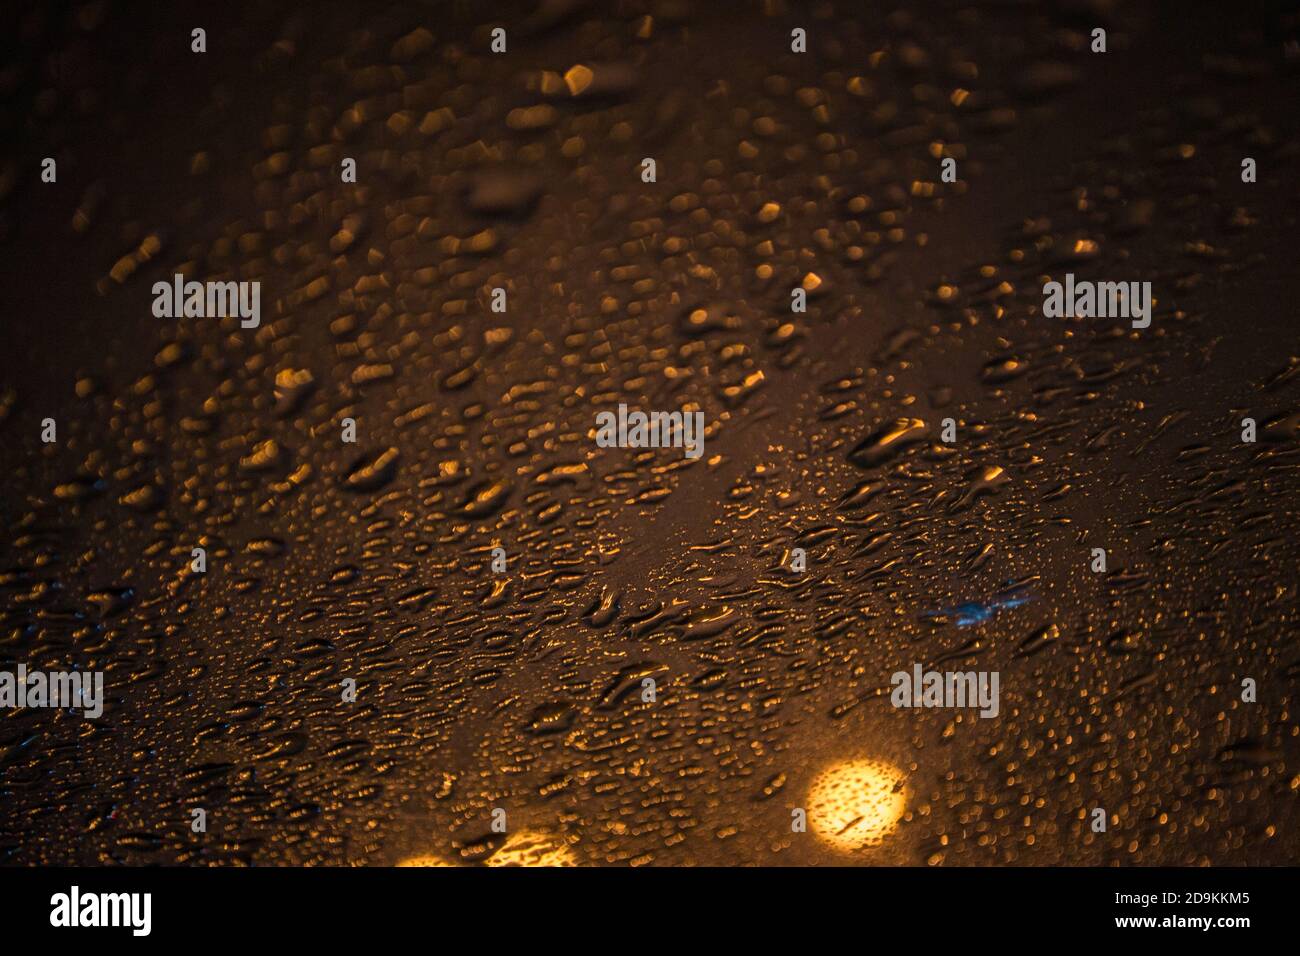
532 848
856 804
524 848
